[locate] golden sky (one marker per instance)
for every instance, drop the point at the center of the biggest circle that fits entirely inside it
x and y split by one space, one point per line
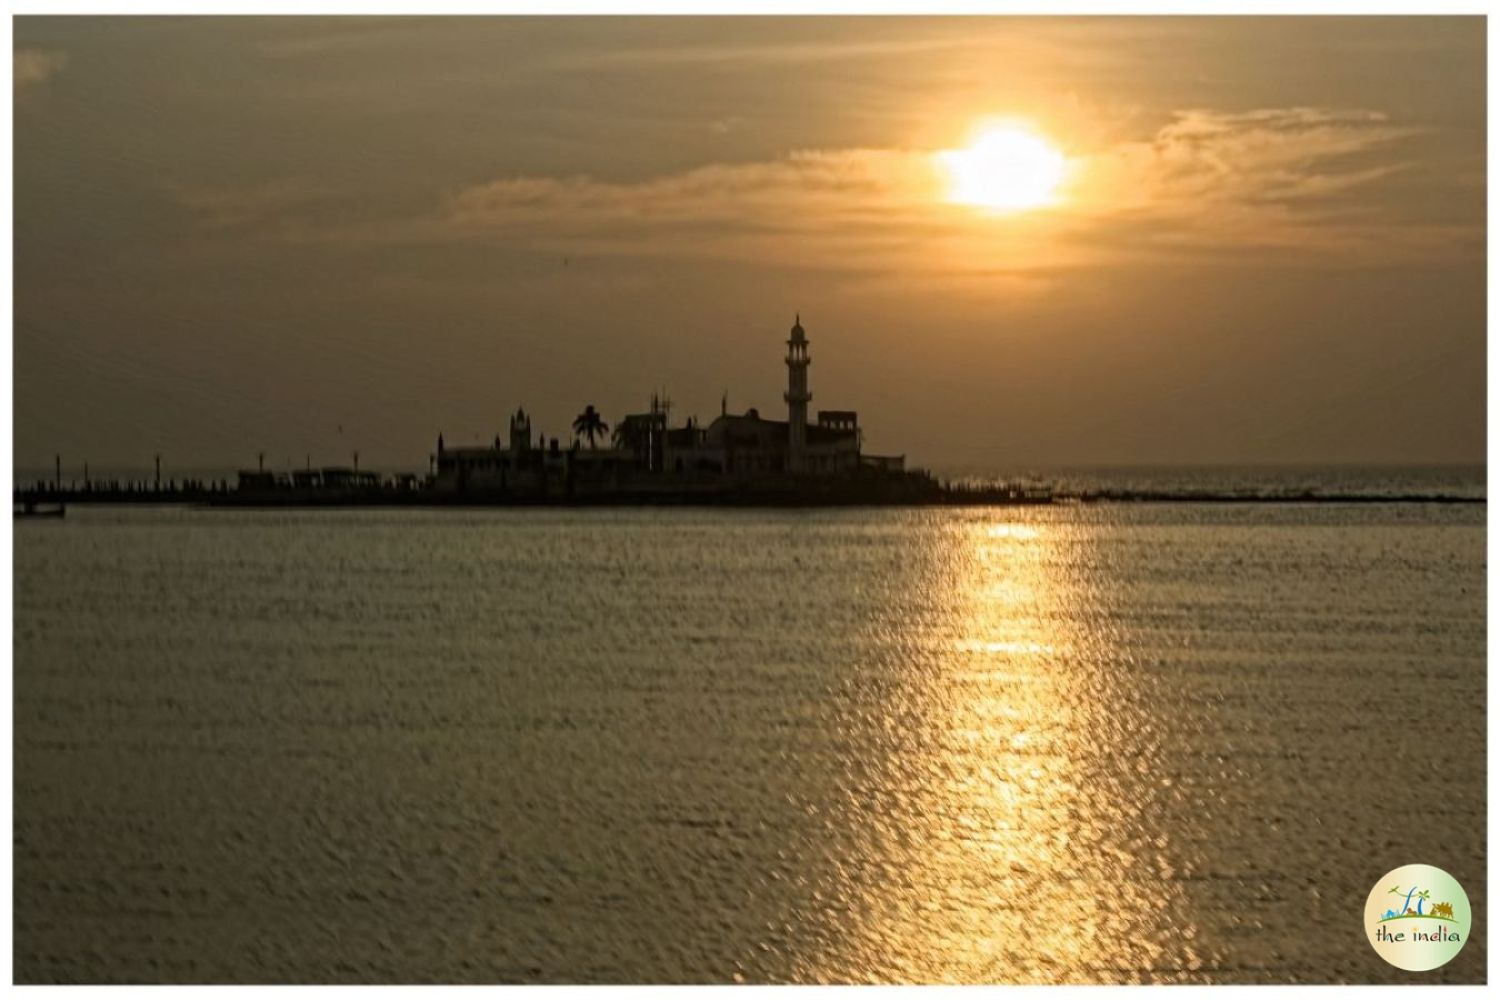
1013 241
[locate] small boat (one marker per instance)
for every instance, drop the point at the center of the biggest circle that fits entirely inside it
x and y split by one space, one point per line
31 508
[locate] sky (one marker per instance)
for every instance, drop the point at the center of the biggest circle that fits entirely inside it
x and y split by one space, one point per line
313 236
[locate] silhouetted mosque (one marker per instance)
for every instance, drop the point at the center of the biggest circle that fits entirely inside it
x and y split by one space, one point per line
736 448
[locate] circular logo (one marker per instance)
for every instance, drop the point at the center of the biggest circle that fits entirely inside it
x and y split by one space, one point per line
1417 918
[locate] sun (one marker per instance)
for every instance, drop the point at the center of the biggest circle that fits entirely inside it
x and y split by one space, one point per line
1007 167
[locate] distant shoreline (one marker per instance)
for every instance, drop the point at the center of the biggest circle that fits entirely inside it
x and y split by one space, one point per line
1152 496
961 498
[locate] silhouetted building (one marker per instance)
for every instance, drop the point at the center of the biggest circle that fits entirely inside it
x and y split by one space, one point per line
329 479
256 479
334 477
735 449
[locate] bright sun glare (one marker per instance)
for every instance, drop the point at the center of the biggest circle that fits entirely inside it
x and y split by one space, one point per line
1007 167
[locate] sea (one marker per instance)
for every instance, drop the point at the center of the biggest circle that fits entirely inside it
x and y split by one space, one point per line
1082 743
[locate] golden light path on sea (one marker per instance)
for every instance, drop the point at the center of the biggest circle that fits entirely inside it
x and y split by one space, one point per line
1016 851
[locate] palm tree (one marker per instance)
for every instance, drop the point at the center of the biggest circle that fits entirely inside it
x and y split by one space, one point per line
1421 896
589 424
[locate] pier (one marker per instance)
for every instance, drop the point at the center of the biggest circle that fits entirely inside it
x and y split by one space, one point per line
911 489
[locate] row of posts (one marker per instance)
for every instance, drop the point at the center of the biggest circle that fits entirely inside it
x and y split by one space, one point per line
260 464
57 471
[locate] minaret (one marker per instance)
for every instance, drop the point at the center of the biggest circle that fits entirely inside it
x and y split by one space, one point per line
797 397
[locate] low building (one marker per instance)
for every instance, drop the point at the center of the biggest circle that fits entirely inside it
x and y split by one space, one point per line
523 464
335 477
259 479
328 479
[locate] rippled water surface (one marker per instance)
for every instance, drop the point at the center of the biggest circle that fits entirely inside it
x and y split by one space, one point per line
1092 744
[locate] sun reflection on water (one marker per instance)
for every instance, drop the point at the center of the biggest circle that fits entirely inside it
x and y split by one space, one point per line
1009 852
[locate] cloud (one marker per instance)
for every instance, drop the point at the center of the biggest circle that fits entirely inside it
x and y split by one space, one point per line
776 53
814 186
1207 159
1302 181
815 44
845 209
1286 185
318 38
251 206
36 66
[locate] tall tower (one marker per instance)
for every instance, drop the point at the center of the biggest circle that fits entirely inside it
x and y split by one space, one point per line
797 397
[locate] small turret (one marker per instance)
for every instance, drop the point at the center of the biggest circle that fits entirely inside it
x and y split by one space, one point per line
520 432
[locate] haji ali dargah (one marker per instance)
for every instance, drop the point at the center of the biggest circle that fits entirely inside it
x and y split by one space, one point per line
644 457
